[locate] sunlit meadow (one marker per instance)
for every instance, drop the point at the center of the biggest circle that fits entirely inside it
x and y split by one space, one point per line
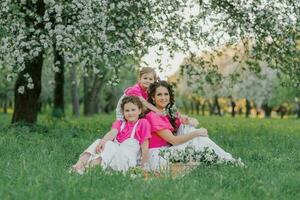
34 162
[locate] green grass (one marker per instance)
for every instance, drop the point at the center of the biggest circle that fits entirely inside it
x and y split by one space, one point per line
34 162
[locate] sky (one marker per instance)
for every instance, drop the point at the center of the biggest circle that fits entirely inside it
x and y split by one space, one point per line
170 65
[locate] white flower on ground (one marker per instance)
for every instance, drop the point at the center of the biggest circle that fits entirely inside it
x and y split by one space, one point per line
269 39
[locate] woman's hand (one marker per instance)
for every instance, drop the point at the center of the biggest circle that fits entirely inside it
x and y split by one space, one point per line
184 119
193 122
188 120
202 132
100 147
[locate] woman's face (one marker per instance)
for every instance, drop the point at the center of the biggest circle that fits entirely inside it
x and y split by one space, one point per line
161 97
131 112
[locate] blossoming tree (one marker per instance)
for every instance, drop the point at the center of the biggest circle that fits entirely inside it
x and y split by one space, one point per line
92 34
97 34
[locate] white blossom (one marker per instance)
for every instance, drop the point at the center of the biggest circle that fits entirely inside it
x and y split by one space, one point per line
30 86
269 39
21 89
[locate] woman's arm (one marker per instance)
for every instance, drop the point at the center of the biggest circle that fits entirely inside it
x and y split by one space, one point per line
149 105
145 153
168 136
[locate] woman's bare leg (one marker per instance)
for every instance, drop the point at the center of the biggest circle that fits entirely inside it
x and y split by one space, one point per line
95 162
82 162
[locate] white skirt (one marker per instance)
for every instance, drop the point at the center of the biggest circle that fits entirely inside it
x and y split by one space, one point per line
199 143
115 156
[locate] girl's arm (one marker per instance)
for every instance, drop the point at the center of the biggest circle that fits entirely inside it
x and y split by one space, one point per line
145 153
149 105
180 139
110 135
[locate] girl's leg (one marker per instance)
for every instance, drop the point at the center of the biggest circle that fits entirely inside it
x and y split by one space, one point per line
95 162
82 162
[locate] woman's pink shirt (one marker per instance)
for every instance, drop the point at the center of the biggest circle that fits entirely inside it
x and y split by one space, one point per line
159 122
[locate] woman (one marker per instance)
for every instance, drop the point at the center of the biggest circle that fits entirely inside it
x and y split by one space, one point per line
163 127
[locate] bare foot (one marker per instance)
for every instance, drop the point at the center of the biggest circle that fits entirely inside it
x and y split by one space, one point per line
95 162
77 168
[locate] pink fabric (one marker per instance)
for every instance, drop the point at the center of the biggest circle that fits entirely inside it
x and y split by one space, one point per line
136 90
143 130
159 122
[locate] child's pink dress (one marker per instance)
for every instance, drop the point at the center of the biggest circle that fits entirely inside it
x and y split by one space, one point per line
136 90
122 153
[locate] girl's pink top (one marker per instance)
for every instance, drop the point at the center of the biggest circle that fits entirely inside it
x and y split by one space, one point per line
136 90
159 122
143 130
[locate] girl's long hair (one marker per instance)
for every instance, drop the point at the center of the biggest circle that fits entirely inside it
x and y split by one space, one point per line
170 111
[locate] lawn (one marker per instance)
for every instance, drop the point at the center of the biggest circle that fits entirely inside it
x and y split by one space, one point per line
34 162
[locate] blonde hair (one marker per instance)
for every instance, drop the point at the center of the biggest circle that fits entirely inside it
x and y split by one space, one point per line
147 70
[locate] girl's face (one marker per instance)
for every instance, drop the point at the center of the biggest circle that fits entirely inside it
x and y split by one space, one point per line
146 79
131 112
161 97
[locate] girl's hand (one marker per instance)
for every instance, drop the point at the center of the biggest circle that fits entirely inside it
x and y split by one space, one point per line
100 147
202 132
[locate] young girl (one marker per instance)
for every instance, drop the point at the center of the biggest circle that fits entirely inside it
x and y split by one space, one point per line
120 147
147 76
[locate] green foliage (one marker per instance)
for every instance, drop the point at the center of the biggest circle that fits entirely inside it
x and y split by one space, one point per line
34 163
58 113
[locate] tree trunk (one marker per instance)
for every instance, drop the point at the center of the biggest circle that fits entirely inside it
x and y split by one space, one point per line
185 107
232 108
210 107
267 109
198 106
216 106
192 106
282 110
27 104
203 107
298 110
90 94
109 98
58 96
5 106
74 92
248 108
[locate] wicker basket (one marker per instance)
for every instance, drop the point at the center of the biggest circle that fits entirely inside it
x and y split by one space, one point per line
181 169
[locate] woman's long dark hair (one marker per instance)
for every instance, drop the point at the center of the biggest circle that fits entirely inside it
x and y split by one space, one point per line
151 92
